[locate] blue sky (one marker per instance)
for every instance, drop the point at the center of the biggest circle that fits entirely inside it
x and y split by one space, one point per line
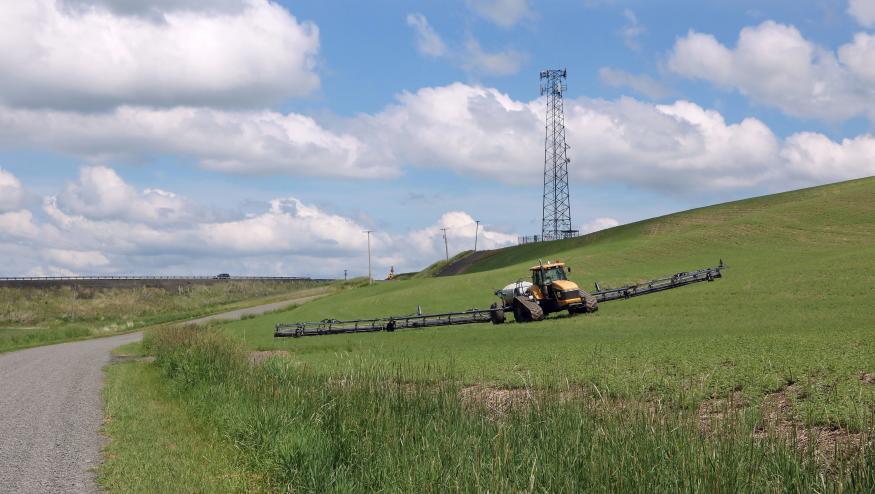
258 137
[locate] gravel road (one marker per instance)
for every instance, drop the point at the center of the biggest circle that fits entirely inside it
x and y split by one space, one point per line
50 412
260 309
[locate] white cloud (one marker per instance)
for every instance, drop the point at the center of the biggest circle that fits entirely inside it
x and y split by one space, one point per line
505 13
642 84
75 260
484 63
18 225
289 226
101 193
153 9
598 224
671 147
863 11
229 141
471 57
461 227
89 228
814 156
11 192
679 147
632 31
469 129
859 57
86 55
428 42
773 64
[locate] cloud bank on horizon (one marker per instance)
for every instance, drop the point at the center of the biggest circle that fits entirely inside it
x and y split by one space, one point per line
213 84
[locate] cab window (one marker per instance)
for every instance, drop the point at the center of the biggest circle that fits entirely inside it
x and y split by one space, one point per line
553 274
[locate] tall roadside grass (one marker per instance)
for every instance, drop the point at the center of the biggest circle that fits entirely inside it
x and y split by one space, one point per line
367 430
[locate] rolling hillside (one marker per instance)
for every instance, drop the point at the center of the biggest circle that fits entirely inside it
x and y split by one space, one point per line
763 381
794 306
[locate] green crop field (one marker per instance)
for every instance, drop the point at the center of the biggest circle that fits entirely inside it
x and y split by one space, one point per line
797 304
778 356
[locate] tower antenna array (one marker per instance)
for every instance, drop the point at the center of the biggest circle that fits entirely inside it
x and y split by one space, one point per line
556 218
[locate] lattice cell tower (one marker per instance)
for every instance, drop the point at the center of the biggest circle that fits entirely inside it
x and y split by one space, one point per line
556 219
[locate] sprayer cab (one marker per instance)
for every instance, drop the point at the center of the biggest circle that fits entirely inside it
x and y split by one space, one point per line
554 292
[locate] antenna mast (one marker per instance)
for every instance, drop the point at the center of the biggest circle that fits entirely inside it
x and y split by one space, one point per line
556 218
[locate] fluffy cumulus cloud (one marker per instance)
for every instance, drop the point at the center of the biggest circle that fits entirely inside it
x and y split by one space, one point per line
460 230
249 142
859 57
677 147
11 192
154 9
17 225
810 154
100 193
863 11
471 130
98 54
505 13
100 223
775 65
680 147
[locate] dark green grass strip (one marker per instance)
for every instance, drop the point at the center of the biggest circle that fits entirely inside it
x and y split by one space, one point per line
156 444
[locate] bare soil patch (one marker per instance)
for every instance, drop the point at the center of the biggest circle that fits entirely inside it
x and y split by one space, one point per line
497 401
829 444
256 358
713 412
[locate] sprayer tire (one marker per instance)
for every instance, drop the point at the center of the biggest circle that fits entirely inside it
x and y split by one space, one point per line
497 314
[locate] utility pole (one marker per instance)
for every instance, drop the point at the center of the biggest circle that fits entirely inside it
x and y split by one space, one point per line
370 277
446 249
476 231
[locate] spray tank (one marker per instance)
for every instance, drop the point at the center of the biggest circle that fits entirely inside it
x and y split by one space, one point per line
513 290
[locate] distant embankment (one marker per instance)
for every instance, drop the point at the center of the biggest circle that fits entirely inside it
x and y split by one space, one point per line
461 264
165 282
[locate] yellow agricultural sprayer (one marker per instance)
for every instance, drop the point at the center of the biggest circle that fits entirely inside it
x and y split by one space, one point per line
549 291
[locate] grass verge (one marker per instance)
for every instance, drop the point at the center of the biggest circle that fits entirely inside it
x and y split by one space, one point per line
156 444
367 430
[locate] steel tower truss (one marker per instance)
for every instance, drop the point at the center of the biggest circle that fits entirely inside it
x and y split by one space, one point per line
556 218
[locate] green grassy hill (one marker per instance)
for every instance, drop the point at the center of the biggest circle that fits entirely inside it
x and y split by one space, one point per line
763 381
795 306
